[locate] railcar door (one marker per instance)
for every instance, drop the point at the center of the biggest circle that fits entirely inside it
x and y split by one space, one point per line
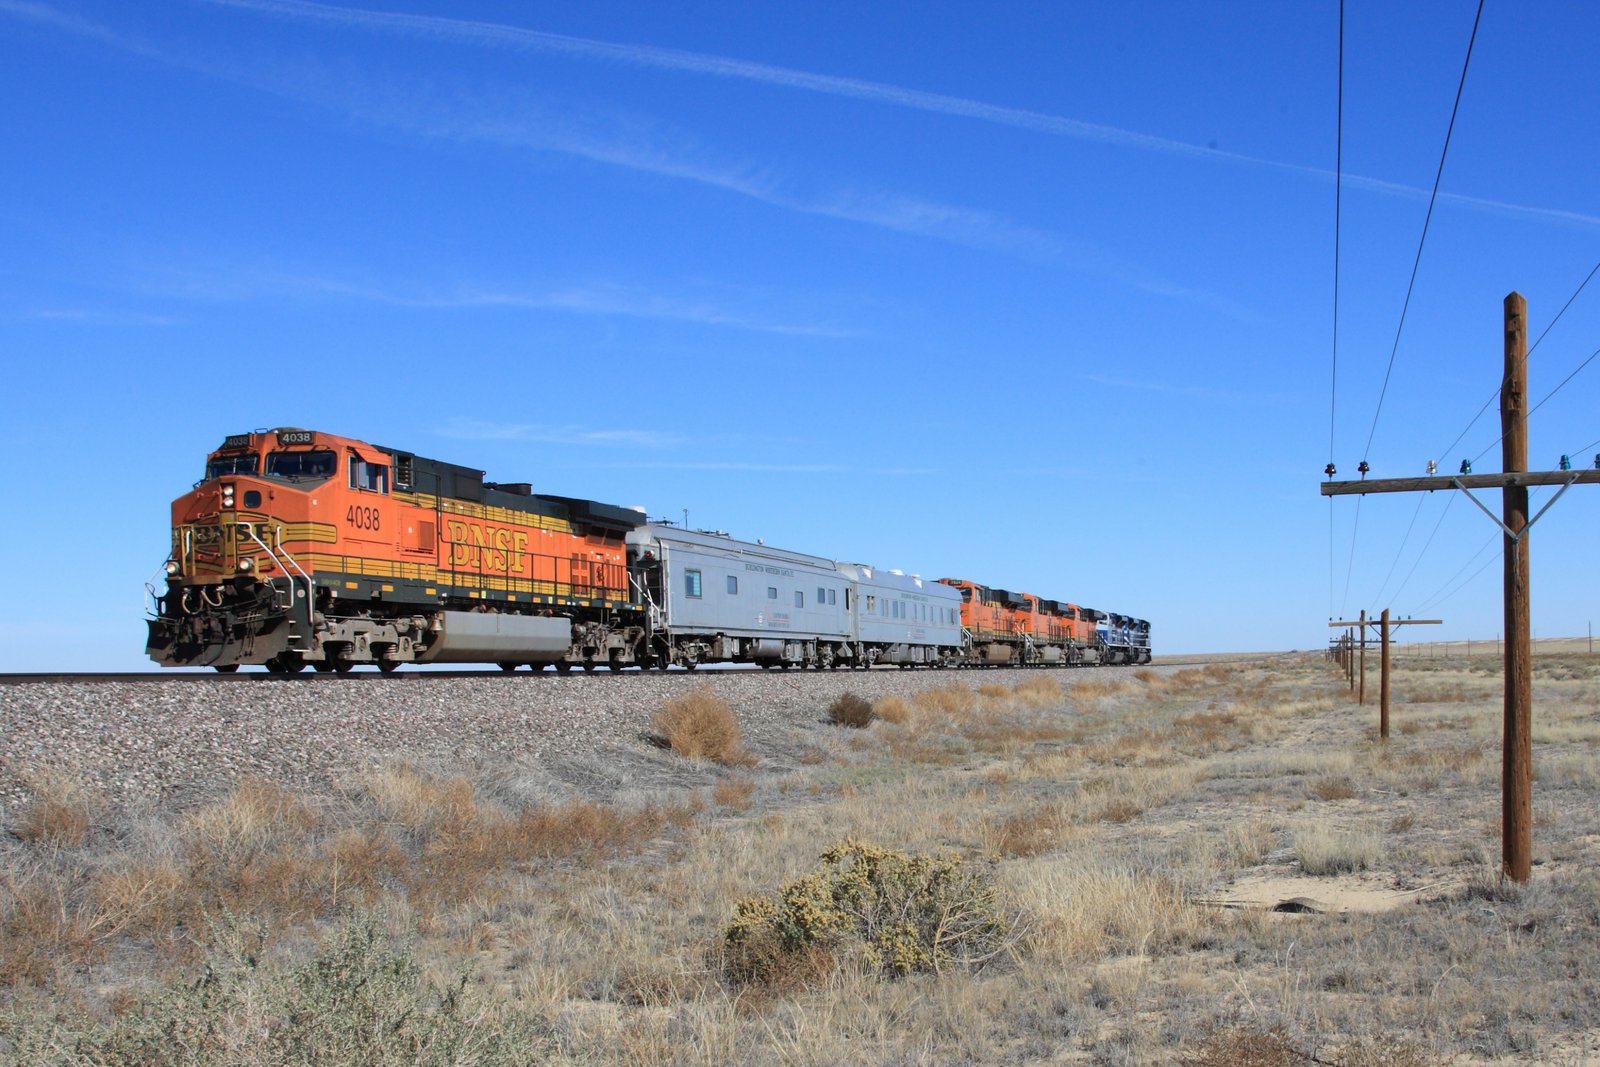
366 513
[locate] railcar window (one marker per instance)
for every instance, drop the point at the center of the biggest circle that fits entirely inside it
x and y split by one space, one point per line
691 584
799 599
872 604
733 585
302 464
772 592
822 596
371 477
231 465
833 598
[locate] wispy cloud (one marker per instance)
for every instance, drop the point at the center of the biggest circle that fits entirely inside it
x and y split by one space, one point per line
220 283
630 145
463 429
771 468
1157 384
100 317
514 37
641 147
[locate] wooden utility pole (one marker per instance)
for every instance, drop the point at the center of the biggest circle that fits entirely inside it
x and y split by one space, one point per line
1515 524
1383 673
1384 626
1361 690
1517 778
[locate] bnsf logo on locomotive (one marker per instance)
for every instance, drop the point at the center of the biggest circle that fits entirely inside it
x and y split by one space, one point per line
485 548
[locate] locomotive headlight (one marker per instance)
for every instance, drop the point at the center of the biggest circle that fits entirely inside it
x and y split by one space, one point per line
172 568
246 565
227 496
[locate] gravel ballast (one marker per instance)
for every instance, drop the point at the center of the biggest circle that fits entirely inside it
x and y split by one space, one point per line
183 742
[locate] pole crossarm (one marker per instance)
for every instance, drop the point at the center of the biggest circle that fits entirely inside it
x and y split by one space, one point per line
1505 480
1393 622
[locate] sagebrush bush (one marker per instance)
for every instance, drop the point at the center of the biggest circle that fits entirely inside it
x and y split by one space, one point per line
851 710
360 1000
700 725
896 912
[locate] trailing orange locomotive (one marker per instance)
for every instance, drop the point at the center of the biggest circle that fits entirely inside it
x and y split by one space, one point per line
300 548
1004 627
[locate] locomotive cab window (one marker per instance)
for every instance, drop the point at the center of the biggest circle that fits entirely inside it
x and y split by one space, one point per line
301 465
222 465
369 477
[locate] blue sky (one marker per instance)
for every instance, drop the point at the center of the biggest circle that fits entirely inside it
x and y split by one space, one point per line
1035 294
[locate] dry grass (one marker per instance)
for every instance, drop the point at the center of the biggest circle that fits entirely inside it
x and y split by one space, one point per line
1331 787
1248 843
892 708
700 725
1117 809
734 793
58 813
1039 691
1324 850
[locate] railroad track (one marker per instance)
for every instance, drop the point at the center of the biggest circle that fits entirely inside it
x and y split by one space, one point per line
424 675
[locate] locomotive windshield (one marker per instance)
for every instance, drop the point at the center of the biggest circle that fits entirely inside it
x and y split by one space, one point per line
296 465
223 465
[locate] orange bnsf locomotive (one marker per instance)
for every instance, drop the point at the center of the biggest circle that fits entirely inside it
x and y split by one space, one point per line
303 548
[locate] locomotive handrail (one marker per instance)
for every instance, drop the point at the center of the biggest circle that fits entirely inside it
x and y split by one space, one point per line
152 603
311 588
250 529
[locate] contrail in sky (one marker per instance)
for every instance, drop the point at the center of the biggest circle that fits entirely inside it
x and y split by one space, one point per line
516 37
723 67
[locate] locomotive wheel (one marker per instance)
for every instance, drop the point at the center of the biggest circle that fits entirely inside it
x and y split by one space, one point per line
509 667
562 667
323 666
589 664
388 666
225 668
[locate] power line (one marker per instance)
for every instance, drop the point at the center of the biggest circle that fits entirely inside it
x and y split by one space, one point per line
1427 219
1338 193
1401 550
1541 403
1531 349
1441 595
1338 208
1449 502
1350 568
